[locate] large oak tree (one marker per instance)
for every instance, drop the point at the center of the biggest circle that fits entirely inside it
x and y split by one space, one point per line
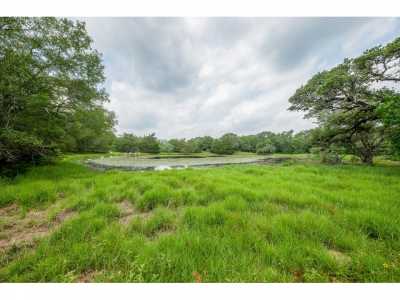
349 100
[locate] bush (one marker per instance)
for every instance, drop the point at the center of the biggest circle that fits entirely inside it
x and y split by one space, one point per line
221 146
165 146
19 150
329 155
265 148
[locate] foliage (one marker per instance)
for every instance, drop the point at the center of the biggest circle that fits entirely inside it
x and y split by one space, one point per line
225 145
284 142
205 142
381 63
178 145
49 75
166 146
91 131
389 112
331 154
346 100
130 143
19 150
265 148
192 146
149 144
248 143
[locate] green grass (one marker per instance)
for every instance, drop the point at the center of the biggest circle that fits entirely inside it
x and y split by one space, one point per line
248 223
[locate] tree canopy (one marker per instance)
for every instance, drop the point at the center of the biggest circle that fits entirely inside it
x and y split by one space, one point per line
352 100
50 79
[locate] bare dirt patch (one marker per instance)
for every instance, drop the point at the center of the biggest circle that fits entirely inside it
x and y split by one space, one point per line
339 256
128 212
18 230
88 276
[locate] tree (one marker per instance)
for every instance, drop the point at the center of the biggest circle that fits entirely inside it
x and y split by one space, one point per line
90 131
346 100
166 146
48 72
248 143
302 142
232 139
192 146
389 113
224 145
178 144
283 141
205 142
381 63
265 147
18 150
149 144
128 143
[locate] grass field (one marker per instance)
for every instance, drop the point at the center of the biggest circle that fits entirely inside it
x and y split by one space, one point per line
292 222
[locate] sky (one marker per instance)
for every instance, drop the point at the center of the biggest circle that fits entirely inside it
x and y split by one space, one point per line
187 77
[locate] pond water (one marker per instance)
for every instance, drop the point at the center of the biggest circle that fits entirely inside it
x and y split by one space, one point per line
154 163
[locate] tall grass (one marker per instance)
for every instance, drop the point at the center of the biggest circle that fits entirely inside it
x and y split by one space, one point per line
283 223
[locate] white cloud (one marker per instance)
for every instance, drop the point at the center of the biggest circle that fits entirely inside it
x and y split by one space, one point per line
183 77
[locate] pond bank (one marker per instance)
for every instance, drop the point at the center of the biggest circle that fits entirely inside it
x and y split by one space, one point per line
142 164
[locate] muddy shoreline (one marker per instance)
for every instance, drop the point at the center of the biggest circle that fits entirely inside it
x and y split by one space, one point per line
103 166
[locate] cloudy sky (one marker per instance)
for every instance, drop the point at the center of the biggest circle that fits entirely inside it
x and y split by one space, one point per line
186 77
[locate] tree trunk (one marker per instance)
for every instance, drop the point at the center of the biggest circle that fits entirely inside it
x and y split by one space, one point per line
367 158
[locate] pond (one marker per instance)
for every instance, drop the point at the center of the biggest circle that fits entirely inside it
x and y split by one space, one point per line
157 163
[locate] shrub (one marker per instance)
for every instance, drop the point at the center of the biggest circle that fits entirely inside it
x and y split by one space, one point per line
222 147
18 150
265 148
329 155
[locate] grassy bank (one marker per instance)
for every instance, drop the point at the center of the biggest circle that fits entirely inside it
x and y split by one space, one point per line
253 223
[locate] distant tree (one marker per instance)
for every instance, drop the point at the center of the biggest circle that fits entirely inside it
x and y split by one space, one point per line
192 146
224 145
128 143
149 144
302 142
265 147
248 143
283 141
205 142
178 144
166 146
233 139
90 131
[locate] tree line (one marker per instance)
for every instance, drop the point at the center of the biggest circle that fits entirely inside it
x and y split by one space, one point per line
261 143
52 95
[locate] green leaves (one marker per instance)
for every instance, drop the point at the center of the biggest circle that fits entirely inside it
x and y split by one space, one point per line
381 63
19 149
49 76
389 112
348 103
